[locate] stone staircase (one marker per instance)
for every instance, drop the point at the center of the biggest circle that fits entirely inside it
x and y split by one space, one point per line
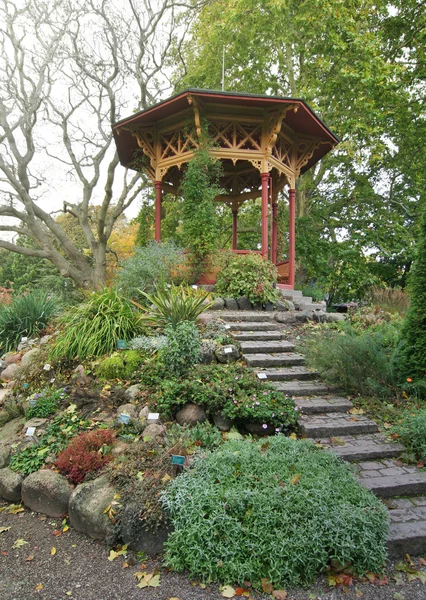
332 421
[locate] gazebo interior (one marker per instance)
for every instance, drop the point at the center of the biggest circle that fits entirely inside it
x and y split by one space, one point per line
264 144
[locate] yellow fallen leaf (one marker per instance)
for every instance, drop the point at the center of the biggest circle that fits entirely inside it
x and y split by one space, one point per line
29 558
125 565
68 593
267 586
149 580
112 555
53 551
166 478
19 543
294 481
293 436
65 528
39 587
14 509
227 591
3 529
356 411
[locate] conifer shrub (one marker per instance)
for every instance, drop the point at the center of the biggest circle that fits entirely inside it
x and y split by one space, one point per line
279 510
87 453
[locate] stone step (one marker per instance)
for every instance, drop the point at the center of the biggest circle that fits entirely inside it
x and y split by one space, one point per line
334 425
302 388
289 374
284 359
368 447
260 336
323 404
387 478
253 326
290 294
266 347
407 526
299 301
254 316
313 306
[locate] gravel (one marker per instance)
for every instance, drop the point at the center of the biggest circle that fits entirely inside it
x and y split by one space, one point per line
80 569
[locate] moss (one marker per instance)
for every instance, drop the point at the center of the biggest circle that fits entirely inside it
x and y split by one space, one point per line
112 367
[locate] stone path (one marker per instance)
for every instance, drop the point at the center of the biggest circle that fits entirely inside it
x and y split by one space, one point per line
331 421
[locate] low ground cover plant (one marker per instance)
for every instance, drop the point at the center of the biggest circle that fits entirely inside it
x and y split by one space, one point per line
87 453
93 327
45 403
411 431
279 510
25 316
248 275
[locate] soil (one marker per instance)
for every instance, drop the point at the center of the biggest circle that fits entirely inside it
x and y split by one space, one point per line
79 569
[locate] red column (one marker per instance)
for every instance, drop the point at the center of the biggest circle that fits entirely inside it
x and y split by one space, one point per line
274 233
265 195
234 229
158 194
292 236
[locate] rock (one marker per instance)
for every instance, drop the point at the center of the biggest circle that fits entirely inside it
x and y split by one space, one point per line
103 417
44 340
217 304
285 317
87 505
119 448
222 422
26 343
12 359
11 372
36 422
10 432
191 414
244 303
269 306
79 376
259 429
10 485
231 304
333 317
207 288
132 391
284 305
134 533
127 409
155 431
225 356
4 392
257 306
319 316
208 353
304 316
4 456
46 492
144 412
30 357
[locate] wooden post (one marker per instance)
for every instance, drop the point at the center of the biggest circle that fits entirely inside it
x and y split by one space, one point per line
274 236
234 229
158 194
265 198
292 237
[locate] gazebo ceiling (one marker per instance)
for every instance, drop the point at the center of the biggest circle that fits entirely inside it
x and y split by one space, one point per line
282 135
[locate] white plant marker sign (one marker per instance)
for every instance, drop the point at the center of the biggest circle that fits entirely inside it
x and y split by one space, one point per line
262 376
123 418
30 431
152 417
228 350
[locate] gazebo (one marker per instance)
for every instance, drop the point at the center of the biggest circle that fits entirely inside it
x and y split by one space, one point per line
264 144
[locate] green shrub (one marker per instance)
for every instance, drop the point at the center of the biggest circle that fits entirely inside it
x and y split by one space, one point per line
357 361
248 275
149 265
93 327
120 365
202 435
231 389
47 402
172 304
279 510
25 316
412 432
183 348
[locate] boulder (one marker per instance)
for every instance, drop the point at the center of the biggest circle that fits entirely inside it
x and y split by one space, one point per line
135 534
119 448
128 409
11 431
79 376
35 422
304 316
208 353
30 357
284 305
87 505
244 303
11 372
10 485
227 354
231 304
46 492
155 431
4 456
44 340
191 414
132 391
269 307
222 423
12 359
285 317
217 304
333 317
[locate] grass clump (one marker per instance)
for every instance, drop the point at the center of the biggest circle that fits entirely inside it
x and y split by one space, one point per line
25 316
93 327
304 505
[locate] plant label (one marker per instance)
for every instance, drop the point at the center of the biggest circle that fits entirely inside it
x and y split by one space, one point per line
32 401
178 460
152 417
194 287
123 418
25 386
121 344
24 339
228 350
30 431
262 376
227 327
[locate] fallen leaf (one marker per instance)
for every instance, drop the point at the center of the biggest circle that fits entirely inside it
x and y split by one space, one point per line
267 586
39 587
57 533
293 436
149 580
166 478
398 578
112 555
68 593
294 481
14 509
279 595
371 577
29 558
356 411
3 529
353 419
409 560
19 543
335 441
125 565
387 426
398 596
227 591
422 562
53 551
65 528
358 593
